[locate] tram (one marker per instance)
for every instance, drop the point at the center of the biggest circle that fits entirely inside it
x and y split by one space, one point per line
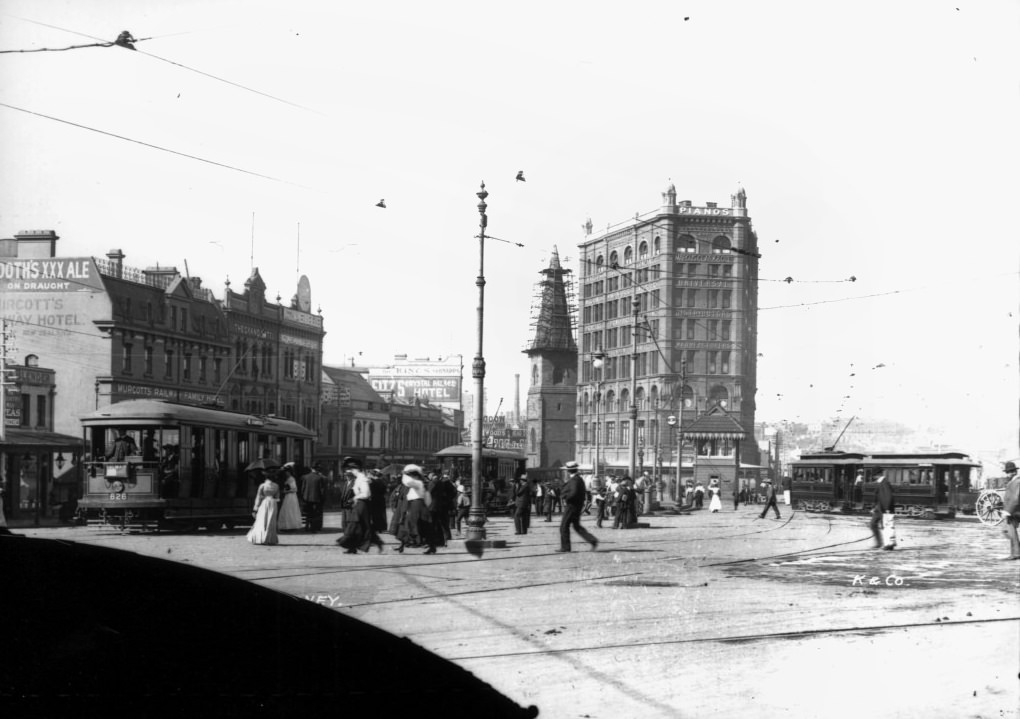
151 464
499 467
930 486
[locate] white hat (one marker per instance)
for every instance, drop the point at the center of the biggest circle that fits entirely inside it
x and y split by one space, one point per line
571 465
412 469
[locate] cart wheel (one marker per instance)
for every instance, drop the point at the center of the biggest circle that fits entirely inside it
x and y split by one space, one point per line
989 508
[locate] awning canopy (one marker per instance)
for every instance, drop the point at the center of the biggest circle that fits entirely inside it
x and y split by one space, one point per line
21 439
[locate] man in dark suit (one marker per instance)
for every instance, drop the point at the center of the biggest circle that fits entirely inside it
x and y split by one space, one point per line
313 495
572 493
1011 508
521 492
884 504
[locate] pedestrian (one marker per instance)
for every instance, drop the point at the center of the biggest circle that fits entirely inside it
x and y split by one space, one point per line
625 517
443 494
290 511
359 532
417 528
714 493
463 502
377 501
3 517
882 514
859 487
123 447
549 494
347 491
313 494
1011 508
573 497
736 496
599 497
521 492
263 531
770 498
699 495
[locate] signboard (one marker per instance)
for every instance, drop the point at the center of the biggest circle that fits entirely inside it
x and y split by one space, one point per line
12 407
437 382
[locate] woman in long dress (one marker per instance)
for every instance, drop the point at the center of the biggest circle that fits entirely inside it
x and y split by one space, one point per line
290 510
715 503
264 529
359 532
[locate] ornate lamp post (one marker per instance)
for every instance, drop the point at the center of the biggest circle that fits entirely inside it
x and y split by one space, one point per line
476 515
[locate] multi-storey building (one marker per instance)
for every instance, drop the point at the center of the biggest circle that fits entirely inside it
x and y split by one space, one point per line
667 321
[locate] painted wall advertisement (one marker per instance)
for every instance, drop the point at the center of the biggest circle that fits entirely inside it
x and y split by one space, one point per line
437 382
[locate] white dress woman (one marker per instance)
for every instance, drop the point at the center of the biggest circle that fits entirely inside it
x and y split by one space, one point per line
264 529
715 503
290 510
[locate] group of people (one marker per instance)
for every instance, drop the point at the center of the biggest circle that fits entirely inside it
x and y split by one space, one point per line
279 500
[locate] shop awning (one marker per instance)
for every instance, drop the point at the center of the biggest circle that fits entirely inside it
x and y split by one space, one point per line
19 438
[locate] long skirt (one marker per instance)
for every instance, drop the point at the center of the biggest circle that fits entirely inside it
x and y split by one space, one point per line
716 504
264 529
359 534
290 512
417 528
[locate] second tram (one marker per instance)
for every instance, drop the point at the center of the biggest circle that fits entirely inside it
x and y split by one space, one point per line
151 464
924 485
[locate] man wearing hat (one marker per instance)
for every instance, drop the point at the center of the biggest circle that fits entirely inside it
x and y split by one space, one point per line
521 493
313 495
573 500
1011 508
770 498
882 513
348 466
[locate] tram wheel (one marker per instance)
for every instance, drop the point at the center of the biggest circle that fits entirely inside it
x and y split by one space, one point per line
990 508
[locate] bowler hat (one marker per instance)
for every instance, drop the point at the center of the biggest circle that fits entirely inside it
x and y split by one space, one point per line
1010 466
351 462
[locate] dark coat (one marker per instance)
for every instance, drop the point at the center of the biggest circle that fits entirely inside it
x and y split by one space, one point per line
884 497
573 491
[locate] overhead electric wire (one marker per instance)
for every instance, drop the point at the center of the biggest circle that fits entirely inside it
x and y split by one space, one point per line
163 59
155 147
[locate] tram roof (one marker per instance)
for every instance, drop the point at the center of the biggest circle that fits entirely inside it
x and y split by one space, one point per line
891 459
138 412
463 450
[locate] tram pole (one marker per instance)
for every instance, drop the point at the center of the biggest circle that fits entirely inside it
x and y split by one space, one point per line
476 514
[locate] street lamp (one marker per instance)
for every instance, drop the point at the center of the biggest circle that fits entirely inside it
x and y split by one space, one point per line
476 514
597 361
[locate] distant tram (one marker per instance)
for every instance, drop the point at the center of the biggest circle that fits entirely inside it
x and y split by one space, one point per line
924 485
181 467
499 467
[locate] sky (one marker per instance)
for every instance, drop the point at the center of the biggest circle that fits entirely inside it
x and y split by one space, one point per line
874 140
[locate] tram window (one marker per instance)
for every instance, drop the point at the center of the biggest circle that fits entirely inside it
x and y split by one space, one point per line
243 452
962 477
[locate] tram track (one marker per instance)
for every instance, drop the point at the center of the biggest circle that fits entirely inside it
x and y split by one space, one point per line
734 639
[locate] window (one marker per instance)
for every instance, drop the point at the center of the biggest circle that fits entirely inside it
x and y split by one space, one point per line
691 356
686 243
713 299
184 320
382 434
639 398
727 299
610 433
690 329
687 397
614 259
624 367
721 245
168 364
713 270
173 317
713 329
202 364
126 358
712 356
148 361
692 269
598 264
726 329
692 298
26 409
217 369
727 271
357 434
186 366
724 358
628 256
40 411
625 433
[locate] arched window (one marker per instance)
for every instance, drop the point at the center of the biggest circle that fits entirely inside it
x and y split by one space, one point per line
624 399
357 434
719 395
610 401
639 397
653 396
371 434
721 245
686 243
407 438
628 256
657 248
599 262
614 259
687 397
534 374
642 250
584 403
31 360
382 434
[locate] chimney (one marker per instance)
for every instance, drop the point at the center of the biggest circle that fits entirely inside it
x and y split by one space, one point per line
116 258
159 276
36 244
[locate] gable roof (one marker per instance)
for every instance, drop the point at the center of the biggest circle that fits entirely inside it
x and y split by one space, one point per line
716 424
360 389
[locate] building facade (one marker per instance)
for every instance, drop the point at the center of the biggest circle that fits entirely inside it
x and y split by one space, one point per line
668 326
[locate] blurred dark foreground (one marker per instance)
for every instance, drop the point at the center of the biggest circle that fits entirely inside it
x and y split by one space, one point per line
89 629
